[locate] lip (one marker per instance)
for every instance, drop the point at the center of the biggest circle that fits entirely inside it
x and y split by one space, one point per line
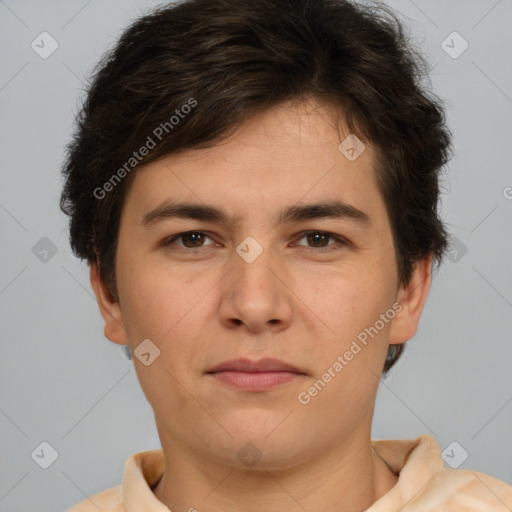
261 375
263 365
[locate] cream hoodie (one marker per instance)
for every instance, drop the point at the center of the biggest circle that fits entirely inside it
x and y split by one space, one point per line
424 484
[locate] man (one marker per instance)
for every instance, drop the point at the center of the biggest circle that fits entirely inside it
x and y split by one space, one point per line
254 186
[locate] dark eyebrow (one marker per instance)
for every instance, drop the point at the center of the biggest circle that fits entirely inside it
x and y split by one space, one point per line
332 209
195 211
296 213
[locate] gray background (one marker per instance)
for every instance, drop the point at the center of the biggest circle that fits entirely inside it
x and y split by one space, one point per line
62 382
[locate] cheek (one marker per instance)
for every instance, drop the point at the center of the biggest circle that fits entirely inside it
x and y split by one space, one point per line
154 297
158 306
350 302
170 308
346 299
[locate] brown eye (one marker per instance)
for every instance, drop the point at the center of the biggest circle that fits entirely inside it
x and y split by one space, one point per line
195 239
190 240
321 239
318 238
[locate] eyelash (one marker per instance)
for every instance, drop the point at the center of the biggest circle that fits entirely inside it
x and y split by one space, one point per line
343 241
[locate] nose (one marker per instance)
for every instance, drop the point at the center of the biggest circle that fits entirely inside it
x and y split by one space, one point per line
257 294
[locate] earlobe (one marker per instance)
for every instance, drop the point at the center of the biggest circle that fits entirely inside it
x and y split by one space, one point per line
114 328
412 299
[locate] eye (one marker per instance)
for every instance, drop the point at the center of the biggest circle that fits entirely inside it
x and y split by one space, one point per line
190 239
320 240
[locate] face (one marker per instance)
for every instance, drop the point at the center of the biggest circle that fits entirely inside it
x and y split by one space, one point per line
257 275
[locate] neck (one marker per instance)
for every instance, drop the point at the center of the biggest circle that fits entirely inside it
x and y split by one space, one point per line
348 479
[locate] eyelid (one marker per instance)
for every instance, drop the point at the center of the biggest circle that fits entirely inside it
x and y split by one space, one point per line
171 239
339 239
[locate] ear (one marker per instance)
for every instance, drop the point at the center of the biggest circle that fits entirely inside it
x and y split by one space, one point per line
114 328
412 298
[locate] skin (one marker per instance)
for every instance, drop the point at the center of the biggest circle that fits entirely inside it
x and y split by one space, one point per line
201 304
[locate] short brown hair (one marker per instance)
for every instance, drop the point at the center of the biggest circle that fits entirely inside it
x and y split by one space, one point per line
230 59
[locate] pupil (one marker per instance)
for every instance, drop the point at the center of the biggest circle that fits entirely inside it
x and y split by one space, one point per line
194 235
321 235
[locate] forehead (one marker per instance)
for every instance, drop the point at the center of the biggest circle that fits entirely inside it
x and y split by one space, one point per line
286 155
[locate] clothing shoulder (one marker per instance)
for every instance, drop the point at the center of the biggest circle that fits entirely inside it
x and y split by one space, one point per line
466 490
141 471
426 485
108 500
